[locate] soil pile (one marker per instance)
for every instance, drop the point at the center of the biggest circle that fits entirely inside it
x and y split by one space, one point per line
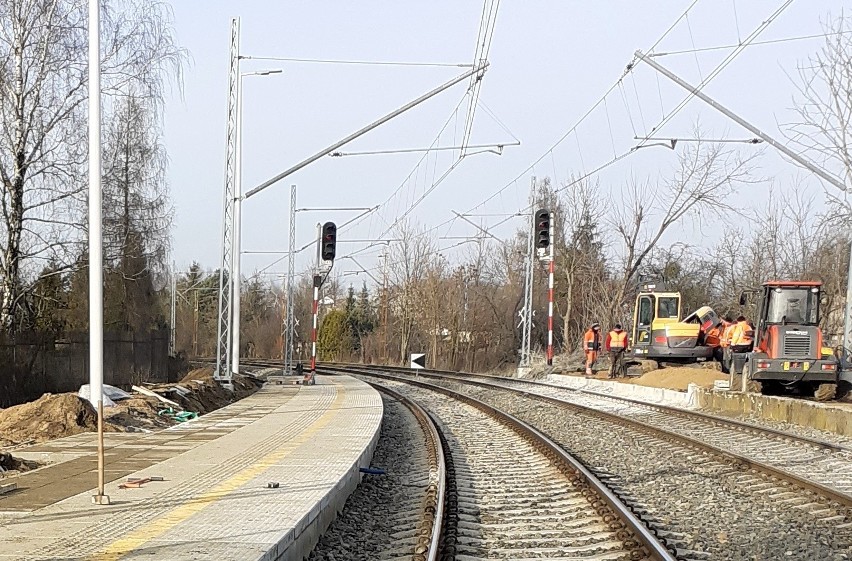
11 466
139 413
678 378
51 416
60 415
206 394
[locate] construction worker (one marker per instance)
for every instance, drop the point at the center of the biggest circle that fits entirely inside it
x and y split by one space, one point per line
742 336
616 345
725 343
591 346
742 339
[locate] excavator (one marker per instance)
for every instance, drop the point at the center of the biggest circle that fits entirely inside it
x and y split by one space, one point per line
788 353
659 333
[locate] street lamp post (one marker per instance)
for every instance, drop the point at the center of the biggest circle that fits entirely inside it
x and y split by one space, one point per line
96 270
238 196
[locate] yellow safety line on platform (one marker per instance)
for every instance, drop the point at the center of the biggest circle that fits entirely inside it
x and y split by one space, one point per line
160 526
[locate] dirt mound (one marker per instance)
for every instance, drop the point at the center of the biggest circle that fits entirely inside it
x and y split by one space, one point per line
678 378
11 466
205 394
57 416
139 413
50 416
202 374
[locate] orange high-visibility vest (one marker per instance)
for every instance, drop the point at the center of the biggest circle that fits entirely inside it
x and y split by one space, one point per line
743 334
617 340
726 334
591 341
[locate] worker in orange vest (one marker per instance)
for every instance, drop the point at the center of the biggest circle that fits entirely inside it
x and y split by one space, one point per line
725 343
591 346
742 337
616 345
742 340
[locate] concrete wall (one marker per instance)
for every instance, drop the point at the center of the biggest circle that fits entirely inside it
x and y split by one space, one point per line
30 368
629 391
829 416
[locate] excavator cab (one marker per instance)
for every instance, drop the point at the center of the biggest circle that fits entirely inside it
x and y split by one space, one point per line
788 351
659 334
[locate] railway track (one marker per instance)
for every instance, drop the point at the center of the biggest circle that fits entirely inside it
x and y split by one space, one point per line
822 466
707 502
511 492
519 496
397 514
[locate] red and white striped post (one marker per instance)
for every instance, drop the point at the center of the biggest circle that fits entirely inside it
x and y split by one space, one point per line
317 283
550 296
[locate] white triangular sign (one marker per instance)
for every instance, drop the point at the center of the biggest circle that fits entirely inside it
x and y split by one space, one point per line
418 361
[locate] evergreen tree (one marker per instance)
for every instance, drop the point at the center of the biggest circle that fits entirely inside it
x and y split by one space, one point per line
335 336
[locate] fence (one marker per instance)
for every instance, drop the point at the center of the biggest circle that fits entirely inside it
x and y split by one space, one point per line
31 366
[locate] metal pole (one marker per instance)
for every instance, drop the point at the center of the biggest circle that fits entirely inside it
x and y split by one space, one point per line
173 316
847 322
225 318
317 283
291 277
479 69
195 327
236 254
550 296
526 315
742 122
385 354
96 267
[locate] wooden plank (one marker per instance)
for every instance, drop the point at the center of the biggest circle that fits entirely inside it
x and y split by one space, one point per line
149 393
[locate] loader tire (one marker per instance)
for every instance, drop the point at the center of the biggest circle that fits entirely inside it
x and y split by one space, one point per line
825 392
752 386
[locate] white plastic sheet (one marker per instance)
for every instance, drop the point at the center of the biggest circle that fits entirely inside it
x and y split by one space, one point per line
111 395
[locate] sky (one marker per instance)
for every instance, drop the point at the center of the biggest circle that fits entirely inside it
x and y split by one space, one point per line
549 63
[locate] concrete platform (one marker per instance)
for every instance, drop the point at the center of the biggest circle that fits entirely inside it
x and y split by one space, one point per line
214 502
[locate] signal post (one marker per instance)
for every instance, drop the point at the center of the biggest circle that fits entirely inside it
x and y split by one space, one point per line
544 244
326 250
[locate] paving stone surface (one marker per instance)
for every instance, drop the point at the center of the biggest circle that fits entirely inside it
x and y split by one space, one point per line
214 502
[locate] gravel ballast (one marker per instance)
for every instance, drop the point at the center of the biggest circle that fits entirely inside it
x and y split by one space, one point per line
707 508
379 519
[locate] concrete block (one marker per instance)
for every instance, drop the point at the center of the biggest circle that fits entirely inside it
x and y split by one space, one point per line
828 416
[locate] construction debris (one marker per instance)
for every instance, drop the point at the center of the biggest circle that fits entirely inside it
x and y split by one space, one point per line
11 466
60 415
155 395
51 416
135 483
111 395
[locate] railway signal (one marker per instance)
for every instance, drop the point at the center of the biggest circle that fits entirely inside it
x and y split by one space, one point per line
542 228
329 241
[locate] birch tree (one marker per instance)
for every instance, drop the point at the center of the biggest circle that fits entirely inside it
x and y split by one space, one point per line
43 92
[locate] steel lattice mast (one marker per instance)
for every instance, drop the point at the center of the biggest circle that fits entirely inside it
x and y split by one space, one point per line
526 311
290 329
223 339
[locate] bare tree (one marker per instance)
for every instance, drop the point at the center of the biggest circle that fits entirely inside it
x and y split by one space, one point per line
706 177
43 74
823 131
409 261
137 214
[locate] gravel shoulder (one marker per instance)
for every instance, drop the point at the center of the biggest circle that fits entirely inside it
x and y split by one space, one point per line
380 518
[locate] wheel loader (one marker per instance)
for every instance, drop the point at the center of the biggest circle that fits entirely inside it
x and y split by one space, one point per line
788 353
